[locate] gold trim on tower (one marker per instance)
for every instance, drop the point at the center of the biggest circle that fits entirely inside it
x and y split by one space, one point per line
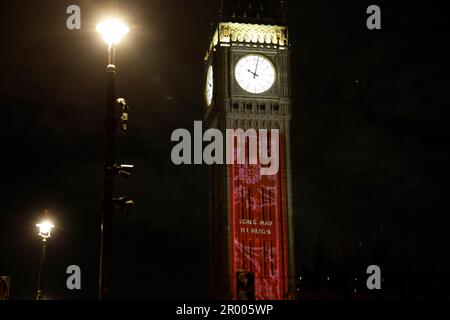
229 33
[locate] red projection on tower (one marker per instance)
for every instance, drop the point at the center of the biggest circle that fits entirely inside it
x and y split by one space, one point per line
258 229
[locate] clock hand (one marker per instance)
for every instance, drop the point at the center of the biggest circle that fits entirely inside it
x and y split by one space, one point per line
256 69
252 73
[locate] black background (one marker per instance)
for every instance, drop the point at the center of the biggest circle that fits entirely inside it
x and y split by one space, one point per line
370 140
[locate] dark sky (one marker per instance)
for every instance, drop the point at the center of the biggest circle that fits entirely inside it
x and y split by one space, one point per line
370 139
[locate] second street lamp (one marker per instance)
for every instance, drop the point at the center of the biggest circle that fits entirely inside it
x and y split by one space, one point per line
112 31
45 229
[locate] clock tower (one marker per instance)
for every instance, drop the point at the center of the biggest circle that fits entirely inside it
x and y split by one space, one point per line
247 86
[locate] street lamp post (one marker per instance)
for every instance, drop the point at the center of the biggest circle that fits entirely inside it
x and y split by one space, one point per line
45 229
112 31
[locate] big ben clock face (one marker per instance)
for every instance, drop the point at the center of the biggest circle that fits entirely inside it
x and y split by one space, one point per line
255 73
209 86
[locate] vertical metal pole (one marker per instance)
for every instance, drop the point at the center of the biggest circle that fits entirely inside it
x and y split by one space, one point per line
41 264
107 205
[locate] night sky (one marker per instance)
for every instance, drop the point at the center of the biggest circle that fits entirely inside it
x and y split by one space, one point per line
370 140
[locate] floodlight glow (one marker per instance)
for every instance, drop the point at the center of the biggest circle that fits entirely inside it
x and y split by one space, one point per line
112 31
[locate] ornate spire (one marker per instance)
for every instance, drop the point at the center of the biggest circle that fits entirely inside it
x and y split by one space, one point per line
253 11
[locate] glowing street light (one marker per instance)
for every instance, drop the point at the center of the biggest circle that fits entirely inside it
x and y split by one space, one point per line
45 230
112 31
